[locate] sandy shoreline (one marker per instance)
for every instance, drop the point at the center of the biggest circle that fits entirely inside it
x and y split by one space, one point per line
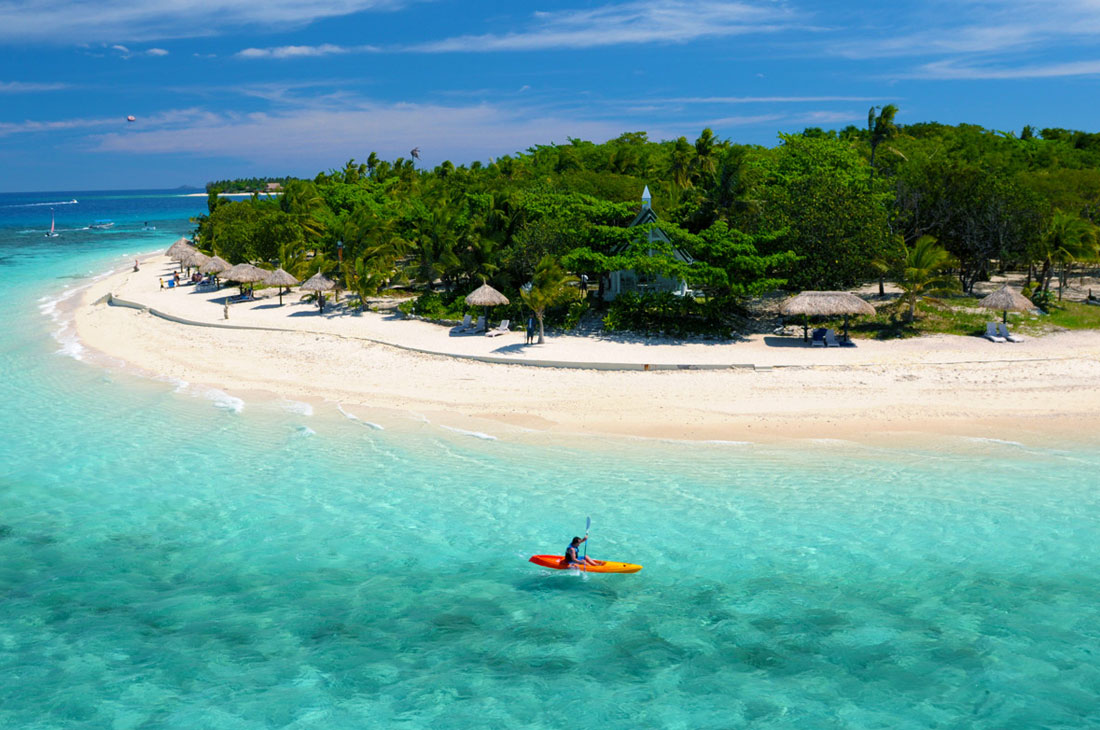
1041 390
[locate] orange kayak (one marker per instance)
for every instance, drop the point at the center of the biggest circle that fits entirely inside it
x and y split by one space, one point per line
608 566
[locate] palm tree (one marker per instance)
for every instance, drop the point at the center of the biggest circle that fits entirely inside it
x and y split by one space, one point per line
550 286
705 153
923 275
1068 240
881 128
680 163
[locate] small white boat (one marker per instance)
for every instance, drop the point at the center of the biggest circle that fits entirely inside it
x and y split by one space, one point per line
52 233
102 224
148 227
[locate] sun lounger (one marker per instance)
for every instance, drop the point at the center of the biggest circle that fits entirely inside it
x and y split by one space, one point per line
465 324
817 339
830 339
501 329
991 333
480 326
1002 330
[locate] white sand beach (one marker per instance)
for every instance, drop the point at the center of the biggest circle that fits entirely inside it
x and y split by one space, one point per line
775 387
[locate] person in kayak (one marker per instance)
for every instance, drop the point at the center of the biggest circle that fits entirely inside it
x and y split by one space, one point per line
574 558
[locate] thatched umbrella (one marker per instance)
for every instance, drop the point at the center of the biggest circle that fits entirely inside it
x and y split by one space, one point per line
281 279
1006 299
485 296
214 266
194 259
245 274
825 303
180 250
181 246
320 284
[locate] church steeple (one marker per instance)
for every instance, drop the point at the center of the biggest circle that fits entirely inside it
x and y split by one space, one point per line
647 199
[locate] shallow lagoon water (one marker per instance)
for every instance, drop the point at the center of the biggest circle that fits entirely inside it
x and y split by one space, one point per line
172 558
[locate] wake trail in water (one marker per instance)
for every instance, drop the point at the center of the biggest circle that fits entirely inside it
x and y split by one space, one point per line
74 201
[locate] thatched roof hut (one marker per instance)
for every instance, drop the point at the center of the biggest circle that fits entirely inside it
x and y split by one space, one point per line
215 265
245 274
1007 300
318 282
825 304
485 296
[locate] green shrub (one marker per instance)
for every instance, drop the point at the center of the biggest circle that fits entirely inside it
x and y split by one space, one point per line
667 314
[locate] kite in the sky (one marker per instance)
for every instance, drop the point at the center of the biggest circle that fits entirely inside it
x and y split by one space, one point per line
131 118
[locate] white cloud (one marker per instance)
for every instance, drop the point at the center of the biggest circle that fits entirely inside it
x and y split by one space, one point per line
111 21
173 117
971 27
325 49
324 136
156 52
762 99
953 70
25 87
642 21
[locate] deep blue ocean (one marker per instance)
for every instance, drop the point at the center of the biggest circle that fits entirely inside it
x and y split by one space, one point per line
171 558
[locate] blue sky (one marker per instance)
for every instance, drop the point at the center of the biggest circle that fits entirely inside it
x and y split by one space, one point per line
225 88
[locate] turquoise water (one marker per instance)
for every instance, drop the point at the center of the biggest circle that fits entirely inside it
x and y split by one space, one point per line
173 558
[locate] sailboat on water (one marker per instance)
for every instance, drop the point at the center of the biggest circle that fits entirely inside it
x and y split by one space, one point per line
52 233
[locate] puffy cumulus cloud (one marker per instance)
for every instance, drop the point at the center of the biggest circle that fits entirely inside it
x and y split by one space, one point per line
643 21
111 21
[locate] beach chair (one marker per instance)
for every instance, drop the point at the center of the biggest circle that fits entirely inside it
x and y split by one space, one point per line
465 324
830 339
991 333
817 339
1002 330
501 329
480 326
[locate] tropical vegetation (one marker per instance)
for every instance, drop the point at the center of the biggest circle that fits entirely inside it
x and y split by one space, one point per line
822 209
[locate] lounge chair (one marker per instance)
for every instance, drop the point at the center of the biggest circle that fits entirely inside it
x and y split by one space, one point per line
501 329
1002 330
480 326
465 324
817 339
991 333
830 339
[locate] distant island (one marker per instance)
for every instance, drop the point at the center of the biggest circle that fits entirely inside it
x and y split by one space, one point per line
249 185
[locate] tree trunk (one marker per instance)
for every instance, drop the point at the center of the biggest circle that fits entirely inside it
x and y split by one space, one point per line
882 286
542 338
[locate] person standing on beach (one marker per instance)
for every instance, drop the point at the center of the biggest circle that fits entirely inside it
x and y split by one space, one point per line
161 282
530 329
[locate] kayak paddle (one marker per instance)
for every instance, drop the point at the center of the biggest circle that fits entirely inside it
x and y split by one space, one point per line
587 526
